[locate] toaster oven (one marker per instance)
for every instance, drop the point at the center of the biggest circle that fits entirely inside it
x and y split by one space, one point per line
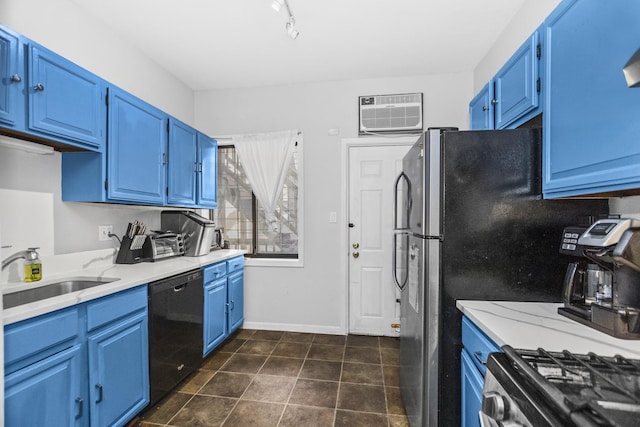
162 245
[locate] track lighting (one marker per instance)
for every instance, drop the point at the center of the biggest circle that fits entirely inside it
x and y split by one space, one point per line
291 22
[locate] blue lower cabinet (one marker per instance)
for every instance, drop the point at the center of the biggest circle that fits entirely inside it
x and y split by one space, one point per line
235 284
471 392
215 314
83 365
47 393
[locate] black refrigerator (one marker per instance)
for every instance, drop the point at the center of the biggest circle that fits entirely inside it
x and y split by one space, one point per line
470 223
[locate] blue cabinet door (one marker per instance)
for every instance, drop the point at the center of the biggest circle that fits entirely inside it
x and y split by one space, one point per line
207 172
136 150
235 283
47 393
215 314
119 371
182 164
516 84
65 100
471 392
591 128
12 79
481 109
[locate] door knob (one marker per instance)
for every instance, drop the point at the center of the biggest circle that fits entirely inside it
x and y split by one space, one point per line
356 245
356 254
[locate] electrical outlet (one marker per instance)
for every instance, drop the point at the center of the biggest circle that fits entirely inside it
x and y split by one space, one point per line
103 232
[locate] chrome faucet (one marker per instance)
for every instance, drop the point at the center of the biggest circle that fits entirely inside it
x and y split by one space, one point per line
30 254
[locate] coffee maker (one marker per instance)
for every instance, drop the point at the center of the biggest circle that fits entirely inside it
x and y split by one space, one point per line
602 286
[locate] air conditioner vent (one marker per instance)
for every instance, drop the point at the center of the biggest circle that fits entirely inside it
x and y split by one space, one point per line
390 113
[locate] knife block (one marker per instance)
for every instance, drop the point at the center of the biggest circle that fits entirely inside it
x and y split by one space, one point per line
130 250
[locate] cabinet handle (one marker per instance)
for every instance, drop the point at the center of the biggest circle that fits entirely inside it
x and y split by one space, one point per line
99 387
38 88
233 305
494 102
478 356
80 405
16 78
485 108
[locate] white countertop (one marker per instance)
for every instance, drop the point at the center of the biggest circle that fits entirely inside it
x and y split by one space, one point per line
530 325
99 264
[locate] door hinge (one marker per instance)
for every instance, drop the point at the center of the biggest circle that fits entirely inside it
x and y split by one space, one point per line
539 51
106 184
167 190
167 125
106 99
538 85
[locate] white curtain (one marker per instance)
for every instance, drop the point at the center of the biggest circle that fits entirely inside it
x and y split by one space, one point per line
265 158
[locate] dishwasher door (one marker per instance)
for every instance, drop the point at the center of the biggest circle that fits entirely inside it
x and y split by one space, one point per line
176 307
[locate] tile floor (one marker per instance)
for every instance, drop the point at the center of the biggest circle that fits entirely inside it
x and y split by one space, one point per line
270 378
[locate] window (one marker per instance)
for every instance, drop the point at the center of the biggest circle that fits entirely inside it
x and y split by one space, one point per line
242 217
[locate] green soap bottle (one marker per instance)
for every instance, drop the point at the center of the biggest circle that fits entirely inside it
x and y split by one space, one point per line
33 268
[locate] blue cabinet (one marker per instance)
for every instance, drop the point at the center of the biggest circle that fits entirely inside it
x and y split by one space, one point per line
85 365
476 347
591 127
65 101
192 167
12 80
223 301
513 94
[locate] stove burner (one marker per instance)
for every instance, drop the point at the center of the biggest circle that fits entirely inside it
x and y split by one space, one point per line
603 390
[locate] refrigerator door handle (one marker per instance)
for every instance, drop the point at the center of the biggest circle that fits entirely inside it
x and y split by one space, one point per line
406 214
394 266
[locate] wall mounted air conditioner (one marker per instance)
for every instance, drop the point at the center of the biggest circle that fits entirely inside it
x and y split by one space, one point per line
390 113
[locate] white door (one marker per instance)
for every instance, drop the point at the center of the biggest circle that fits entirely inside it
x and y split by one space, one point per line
373 309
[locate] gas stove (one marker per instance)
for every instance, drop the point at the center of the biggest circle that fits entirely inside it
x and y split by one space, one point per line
542 388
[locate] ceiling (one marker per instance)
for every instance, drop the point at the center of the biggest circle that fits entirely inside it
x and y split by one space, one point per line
216 44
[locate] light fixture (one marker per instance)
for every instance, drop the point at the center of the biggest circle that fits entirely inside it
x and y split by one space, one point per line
29 147
291 22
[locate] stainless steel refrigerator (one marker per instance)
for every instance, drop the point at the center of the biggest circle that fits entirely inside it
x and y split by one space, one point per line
470 223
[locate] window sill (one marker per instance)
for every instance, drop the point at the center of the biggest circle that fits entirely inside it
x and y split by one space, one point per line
273 262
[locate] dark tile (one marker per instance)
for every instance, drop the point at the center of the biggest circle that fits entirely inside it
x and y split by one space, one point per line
391 375
315 393
389 342
330 339
390 356
361 355
257 347
361 373
230 345
267 388
326 352
306 416
360 397
291 349
267 335
394 401
227 384
255 414
398 421
215 360
195 381
245 363
360 419
282 366
298 337
362 341
244 333
321 370
204 411
163 411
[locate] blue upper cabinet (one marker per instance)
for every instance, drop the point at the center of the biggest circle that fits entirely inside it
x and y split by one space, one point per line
513 95
182 164
12 80
65 101
481 109
136 150
592 118
207 172
517 84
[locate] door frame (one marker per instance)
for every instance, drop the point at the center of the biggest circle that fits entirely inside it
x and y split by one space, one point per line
346 145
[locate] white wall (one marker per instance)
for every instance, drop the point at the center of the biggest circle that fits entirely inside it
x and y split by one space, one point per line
313 298
63 27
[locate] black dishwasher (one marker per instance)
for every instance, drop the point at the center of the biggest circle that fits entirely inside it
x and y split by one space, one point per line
176 307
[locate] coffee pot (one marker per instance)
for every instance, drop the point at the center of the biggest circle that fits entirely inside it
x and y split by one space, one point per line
602 284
